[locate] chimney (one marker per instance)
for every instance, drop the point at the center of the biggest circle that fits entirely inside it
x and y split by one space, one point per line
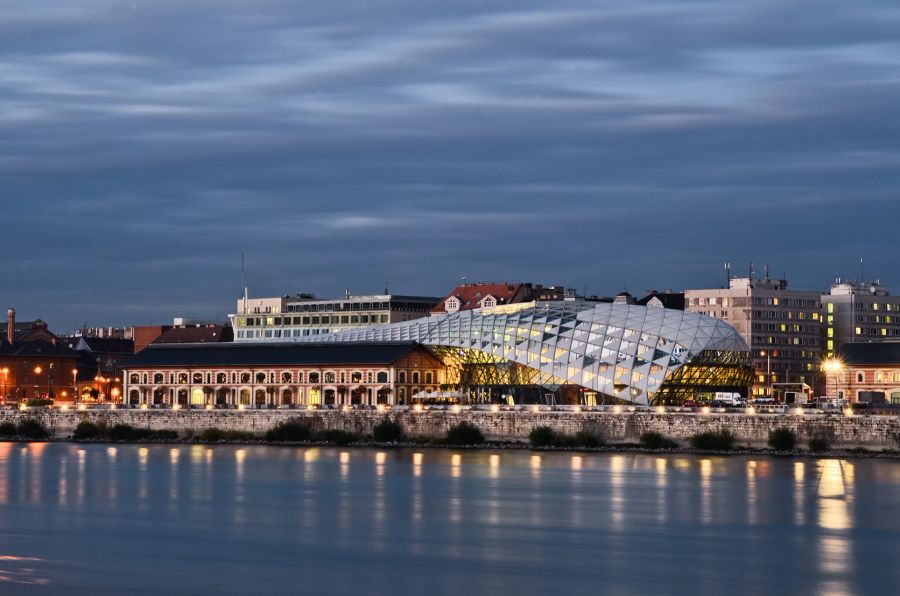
11 325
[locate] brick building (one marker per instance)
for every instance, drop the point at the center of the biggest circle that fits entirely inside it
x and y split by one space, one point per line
281 374
34 364
865 372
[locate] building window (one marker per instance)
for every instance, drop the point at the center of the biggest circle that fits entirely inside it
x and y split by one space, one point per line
260 377
329 377
415 377
401 377
286 377
428 378
313 377
860 378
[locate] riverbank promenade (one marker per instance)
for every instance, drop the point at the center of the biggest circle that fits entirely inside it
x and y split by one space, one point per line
613 425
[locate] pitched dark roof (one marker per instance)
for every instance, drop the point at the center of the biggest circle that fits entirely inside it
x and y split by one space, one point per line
194 335
108 345
276 354
876 354
673 300
36 348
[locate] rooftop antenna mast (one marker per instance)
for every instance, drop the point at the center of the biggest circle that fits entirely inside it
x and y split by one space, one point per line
862 277
727 274
243 286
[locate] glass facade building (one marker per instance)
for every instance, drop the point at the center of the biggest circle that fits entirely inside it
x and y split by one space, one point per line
576 352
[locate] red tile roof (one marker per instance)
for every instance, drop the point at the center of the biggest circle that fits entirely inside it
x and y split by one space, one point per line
470 295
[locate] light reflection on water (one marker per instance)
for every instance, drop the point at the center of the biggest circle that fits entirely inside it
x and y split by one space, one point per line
235 520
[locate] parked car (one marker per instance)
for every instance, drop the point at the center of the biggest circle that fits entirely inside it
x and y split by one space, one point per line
690 403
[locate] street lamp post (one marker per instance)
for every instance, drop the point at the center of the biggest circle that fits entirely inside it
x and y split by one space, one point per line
37 375
5 372
833 366
74 385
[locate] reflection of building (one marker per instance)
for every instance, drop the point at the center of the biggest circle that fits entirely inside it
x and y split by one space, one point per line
34 364
576 352
866 372
859 312
781 326
281 374
303 315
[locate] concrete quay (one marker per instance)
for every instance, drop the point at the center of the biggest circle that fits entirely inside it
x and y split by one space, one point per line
871 432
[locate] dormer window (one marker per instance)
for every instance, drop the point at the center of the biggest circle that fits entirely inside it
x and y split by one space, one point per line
488 302
452 304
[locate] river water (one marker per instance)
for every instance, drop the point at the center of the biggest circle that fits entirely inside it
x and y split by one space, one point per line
190 519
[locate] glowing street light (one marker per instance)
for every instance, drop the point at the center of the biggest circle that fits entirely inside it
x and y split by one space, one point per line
833 366
37 382
5 372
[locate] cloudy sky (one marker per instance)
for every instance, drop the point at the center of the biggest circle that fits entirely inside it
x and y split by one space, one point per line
600 145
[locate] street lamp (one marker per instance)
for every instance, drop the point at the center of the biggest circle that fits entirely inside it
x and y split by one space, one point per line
768 355
37 373
74 385
833 366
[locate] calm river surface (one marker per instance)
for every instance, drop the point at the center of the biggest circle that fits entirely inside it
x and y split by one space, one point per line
99 519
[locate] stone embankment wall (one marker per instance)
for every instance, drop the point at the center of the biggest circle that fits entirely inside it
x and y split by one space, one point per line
879 432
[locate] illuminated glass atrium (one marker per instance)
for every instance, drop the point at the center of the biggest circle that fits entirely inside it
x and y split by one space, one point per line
576 352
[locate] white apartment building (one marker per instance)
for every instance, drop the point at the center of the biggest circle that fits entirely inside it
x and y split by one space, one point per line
302 315
781 326
859 312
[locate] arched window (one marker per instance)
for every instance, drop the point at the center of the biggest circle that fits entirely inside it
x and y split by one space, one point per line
260 377
300 377
313 377
158 378
356 377
134 378
286 377
182 378
860 377
221 378
144 380
198 378
245 377
401 377
329 377
369 377
428 377
382 377
415 376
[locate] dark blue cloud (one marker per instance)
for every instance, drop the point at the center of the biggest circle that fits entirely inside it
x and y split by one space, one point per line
144 145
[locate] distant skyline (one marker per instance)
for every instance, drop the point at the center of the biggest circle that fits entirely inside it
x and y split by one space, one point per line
602 146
